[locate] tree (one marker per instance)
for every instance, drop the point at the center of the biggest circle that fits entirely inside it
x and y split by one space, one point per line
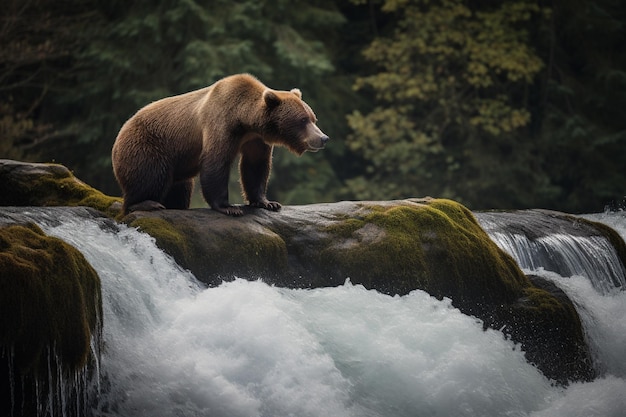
452 94
583 129
36 41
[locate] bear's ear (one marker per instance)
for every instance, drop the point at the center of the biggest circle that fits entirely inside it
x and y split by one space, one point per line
271 98
297 92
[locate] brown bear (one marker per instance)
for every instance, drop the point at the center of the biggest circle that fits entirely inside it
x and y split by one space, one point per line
165 144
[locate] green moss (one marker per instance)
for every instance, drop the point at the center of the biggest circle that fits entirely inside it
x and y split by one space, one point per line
345 229
438 247
543 307
67 190
51 185
167 237
49 297
226 250
541 301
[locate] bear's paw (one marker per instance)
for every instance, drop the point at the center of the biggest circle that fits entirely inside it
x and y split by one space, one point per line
229 210
147 205
267 205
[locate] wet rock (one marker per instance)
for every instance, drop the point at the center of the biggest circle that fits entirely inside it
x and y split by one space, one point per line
32 184
50 318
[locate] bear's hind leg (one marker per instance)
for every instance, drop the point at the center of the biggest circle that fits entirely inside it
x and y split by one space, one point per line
145 193
146 205
142 199
254 171
179 195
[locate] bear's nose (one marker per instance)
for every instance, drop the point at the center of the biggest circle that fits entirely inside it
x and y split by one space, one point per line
324 139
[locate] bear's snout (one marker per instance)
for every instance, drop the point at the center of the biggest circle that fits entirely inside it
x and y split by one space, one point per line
317 142
315 138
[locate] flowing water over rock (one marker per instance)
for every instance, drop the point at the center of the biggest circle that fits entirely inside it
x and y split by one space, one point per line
560 245
173 347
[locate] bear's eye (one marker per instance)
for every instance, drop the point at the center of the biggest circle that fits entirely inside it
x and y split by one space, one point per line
304 120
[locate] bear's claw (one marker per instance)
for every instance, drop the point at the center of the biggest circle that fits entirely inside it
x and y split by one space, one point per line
230 210
267 205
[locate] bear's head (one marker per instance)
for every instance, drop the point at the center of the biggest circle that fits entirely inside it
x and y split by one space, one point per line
291 122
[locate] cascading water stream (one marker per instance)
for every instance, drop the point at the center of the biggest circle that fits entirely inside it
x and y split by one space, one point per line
590 256
175 348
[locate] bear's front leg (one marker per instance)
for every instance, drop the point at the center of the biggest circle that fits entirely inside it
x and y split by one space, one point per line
214 183
254 171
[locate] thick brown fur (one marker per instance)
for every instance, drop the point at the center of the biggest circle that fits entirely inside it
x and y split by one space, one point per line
161 148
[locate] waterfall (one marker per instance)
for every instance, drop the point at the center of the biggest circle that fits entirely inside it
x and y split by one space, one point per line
553 250
173 347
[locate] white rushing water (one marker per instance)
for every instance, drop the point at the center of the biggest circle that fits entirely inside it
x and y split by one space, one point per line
175 348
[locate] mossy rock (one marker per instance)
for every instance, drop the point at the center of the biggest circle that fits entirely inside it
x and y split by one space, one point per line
218 250
50 296
549 329
50 304
394 247
31 184
438 247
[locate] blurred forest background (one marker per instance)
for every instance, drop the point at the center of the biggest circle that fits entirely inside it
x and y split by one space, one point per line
495 104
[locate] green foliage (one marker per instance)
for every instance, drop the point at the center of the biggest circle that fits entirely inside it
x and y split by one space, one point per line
450 100
36 42
12 127
584 130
